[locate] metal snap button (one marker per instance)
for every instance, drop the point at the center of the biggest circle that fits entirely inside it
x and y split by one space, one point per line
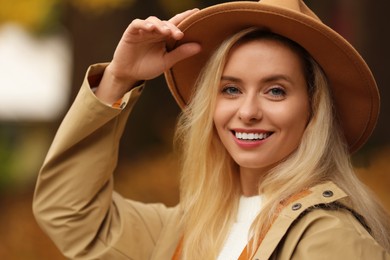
296 206
123 105
327 193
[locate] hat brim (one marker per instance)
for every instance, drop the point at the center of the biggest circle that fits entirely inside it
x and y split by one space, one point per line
354 90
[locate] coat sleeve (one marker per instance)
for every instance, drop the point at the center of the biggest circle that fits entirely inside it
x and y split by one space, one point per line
324 234
74 201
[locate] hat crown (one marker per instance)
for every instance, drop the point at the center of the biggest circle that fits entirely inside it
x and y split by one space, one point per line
293 5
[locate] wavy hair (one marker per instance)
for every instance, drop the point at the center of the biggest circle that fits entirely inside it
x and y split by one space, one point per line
210 184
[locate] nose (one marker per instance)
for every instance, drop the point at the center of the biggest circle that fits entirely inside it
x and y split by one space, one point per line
250 109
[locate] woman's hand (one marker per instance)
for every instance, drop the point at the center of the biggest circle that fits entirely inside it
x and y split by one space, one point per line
141 55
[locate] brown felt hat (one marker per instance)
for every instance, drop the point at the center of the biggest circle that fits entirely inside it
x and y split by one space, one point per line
354 89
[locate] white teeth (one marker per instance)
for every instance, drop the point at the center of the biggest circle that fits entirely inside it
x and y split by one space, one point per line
251 136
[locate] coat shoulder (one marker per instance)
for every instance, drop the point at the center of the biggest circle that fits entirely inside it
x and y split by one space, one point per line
319 223
331 233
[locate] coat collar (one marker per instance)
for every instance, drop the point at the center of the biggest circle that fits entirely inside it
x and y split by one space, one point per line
289 211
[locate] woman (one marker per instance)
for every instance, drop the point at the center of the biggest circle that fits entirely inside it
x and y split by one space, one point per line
265 136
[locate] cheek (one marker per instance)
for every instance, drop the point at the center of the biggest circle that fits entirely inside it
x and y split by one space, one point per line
292 117
222 114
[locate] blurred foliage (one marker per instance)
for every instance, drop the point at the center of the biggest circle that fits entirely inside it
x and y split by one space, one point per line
175 6
100 6
5 155
22 150
34 15
43 16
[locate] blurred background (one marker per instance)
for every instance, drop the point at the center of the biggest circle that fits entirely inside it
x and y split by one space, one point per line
45 49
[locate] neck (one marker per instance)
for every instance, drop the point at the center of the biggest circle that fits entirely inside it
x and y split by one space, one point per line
250 180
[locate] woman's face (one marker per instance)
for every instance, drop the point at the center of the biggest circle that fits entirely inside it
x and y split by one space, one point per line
262 106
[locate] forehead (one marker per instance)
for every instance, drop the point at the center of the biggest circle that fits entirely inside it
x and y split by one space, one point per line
258 35
264 55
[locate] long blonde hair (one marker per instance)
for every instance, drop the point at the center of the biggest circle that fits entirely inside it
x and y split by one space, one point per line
210 184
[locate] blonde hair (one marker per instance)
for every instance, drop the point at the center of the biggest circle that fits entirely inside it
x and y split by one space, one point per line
210 184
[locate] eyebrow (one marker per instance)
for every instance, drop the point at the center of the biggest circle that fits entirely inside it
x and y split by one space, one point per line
230 78
271 78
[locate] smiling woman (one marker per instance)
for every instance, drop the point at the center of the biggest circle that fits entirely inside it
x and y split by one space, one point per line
264 137
264 92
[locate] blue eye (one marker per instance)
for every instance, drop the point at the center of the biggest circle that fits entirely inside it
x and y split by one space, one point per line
231 90
277 92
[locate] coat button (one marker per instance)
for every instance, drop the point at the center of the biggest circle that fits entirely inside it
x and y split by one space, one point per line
296 206
327 193
123 105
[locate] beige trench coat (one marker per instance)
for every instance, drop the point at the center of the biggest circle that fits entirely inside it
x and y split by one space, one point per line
76 206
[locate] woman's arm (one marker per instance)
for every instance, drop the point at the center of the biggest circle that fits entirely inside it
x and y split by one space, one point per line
74 200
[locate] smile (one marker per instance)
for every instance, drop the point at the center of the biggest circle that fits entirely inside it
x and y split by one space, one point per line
251 136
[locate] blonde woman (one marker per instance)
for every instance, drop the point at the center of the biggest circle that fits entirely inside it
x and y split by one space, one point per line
268 125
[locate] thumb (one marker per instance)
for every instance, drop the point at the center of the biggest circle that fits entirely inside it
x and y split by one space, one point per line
180 53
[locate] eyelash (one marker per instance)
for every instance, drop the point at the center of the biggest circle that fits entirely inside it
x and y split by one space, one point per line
281 93
226 90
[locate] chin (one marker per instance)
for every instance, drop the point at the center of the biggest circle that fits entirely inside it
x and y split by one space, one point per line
255 166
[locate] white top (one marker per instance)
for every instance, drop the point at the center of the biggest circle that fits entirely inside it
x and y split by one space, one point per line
238 236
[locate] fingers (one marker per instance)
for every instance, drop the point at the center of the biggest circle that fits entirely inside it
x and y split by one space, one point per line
154 24
149 25
180 53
